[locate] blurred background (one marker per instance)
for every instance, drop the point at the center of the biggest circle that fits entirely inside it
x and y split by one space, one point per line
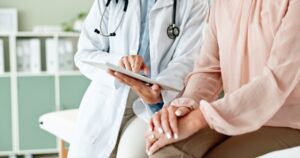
38 39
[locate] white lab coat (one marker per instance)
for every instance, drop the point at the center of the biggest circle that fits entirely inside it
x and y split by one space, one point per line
102 107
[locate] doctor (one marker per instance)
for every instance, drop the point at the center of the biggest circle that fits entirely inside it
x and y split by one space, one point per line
161 38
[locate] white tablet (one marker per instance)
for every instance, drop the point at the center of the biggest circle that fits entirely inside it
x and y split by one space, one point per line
107 66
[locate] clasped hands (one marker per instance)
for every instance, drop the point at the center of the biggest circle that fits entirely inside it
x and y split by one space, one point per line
174 122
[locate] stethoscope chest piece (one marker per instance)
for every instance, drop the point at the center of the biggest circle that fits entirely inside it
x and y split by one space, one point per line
173 31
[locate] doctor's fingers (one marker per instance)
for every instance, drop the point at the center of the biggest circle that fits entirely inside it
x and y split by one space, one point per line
146 69
136 62
111 72
157 122
126 79
125 61
151 125
121 64
160 143
141 66
165 123
149 144
173 121
153 90
150 138
131 60
156 88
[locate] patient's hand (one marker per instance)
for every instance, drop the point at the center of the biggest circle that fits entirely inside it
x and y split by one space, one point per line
184 105
187 126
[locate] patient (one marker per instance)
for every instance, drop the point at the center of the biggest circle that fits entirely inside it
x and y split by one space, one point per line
252 52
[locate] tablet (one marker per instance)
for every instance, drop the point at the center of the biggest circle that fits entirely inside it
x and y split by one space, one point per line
107 66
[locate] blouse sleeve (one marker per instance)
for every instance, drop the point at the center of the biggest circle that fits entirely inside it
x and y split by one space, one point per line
205 81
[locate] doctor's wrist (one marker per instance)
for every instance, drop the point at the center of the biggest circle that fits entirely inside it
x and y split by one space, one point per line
153 101
153 98
161 102
156 107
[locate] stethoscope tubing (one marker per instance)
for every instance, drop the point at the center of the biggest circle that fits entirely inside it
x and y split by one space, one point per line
172 31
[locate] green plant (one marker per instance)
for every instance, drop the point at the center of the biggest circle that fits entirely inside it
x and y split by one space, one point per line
81 16
67 26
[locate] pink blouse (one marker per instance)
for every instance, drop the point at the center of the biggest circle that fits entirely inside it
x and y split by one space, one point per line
252 51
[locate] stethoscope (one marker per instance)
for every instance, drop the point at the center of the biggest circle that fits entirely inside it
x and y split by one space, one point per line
172 31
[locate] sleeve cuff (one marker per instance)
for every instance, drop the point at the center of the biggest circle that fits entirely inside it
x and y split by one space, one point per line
221 123
156 107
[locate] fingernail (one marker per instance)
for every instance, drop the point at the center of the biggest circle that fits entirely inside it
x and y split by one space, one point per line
160 131
169 136
175 136
178 113
152 136
150 129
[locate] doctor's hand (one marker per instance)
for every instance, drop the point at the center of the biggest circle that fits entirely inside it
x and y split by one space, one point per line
187 126
134 63
149 94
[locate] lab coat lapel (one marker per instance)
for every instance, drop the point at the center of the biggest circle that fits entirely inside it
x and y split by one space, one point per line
158 40
136 11
162 3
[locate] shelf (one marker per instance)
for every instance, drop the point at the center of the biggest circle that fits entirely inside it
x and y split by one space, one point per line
39 151
30 74
38 34
6 74
62 73
68 34
69 73
5 34
6 153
